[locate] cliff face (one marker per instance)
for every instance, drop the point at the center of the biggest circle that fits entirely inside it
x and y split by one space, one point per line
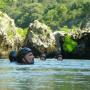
9 38
40 38
82 49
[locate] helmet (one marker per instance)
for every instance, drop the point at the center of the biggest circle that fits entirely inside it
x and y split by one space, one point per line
12 56
23 51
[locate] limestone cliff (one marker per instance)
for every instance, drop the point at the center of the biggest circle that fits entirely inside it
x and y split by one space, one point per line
9 38
81 37
40 38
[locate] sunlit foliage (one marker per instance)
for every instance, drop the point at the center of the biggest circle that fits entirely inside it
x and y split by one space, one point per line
69 44
55 13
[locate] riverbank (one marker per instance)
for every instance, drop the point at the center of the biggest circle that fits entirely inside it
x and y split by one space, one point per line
70 42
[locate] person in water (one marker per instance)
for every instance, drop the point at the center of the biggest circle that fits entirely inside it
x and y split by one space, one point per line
59 57
25 56
12 56
43 56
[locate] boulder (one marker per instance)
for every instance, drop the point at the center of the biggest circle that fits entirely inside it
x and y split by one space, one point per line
81 37
40 38
9 38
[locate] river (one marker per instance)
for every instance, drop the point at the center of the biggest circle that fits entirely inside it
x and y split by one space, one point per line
69 74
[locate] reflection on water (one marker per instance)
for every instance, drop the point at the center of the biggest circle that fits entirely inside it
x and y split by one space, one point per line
45 75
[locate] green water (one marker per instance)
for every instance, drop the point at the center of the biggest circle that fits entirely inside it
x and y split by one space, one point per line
45 75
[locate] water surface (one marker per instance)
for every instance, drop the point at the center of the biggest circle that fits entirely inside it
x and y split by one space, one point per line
45 75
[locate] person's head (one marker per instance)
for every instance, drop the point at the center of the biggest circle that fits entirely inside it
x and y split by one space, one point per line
12 56
25 56
60 57
43 57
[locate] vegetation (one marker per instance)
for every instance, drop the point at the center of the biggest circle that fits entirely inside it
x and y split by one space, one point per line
55 13
69 44
22 32
59 15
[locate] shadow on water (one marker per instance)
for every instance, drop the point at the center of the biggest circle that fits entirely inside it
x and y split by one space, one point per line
45 75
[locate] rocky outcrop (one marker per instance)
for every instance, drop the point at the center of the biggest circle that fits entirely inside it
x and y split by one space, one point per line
83 47
81 37
9 38
40 38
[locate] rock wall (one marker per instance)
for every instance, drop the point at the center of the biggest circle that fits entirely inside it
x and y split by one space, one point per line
9 38
40 38
82 51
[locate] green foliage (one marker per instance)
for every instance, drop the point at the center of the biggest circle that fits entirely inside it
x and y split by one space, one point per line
69 44
10 34
65 28
29 13
55 13
21 32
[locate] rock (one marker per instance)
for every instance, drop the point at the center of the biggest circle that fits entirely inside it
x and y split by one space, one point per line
41 37
81 37
9 38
